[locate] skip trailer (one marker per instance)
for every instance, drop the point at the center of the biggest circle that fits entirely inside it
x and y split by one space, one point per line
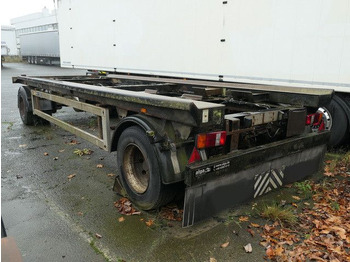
230 98
226 142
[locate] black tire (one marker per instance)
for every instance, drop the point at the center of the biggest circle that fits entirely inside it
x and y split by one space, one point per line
25 106
340 125
139 170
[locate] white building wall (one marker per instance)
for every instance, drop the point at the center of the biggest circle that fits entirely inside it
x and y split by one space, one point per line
8 41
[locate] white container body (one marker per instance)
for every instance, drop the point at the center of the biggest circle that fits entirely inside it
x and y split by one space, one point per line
45 44
281 42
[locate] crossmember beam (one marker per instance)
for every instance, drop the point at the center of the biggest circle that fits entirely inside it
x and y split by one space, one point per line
103 113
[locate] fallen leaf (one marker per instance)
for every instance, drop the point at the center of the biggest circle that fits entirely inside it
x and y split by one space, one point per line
296 198
212 259
225 245
339 231
24 145
267 228
248 248
46 154
329 174
254 225
149 223
243 219
295 205
60 151
80 213
279 251
251 232
121 219
270 252
73 142
99 166
70 176
306 204
98 235
111 175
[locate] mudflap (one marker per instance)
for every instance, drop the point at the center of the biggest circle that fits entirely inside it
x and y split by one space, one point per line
268 169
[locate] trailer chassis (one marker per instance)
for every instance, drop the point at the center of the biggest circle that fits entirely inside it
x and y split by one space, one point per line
167 123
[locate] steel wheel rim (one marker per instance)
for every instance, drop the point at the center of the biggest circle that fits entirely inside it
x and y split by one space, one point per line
327 118
136 168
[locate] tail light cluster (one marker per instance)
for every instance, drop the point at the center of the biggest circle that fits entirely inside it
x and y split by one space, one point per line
316 121
211 139
206 140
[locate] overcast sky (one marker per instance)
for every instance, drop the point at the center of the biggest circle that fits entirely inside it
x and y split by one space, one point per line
14 8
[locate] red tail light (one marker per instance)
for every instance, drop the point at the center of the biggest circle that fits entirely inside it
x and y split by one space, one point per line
316 121
211 139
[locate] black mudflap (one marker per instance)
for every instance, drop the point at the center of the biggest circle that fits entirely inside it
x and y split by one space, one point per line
206 198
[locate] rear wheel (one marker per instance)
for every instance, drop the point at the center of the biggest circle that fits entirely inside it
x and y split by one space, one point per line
139 170
25 106
338 122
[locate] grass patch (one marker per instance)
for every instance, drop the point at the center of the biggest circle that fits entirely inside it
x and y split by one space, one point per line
277 213
9 124
97 250
85 151
304 187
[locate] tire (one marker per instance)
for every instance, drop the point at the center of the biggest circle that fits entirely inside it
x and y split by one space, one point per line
139 170
340 125
25 106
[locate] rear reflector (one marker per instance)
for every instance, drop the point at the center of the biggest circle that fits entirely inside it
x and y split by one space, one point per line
211 139
194 156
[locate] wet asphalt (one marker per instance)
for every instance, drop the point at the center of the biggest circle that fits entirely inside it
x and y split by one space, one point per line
53 218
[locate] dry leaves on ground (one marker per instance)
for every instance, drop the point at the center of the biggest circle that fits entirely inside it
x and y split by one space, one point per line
323 232
171 212
125 207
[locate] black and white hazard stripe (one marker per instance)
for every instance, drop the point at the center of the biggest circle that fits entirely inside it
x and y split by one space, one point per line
267 181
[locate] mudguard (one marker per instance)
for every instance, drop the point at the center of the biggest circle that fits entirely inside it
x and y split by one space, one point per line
221 183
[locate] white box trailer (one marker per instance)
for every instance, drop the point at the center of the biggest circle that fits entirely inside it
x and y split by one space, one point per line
40 47
289 43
